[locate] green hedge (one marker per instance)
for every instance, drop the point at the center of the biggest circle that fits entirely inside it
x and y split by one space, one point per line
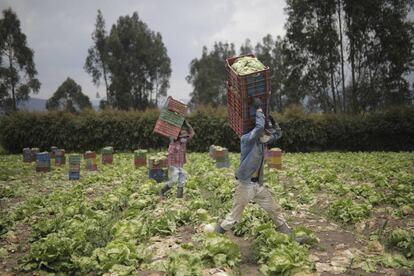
125 131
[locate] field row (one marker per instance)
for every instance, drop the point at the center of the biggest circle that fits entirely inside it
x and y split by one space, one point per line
356 207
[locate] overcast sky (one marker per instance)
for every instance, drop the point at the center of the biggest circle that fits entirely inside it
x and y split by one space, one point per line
59 32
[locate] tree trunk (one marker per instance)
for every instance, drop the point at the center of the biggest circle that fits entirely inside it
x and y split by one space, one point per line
352 58
333 90
106 83
11 79
342 55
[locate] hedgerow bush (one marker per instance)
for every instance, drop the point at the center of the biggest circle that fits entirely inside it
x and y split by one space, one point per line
391 130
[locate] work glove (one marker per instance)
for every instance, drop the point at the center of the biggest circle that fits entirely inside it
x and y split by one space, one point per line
187 123
276 127
257 103
183 140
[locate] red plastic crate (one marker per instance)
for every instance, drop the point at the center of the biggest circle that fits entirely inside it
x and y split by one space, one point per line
240 100
166 129
140 162
241 114
176 106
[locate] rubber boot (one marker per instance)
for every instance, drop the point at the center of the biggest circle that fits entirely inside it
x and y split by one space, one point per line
284 228
180 192
219 229
164 189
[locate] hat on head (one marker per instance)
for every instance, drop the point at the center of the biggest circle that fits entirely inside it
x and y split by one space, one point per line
183 133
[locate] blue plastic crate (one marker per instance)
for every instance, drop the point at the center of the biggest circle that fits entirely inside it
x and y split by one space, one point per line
225 164
43 163
256 85
158 175
74 175
42 156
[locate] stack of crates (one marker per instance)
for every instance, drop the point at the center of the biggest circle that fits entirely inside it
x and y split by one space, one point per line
90 158
60 158
140 158
158 167
34 151
74 166
107 155
53 150
27 155
241 92
220 155
42 162
171 118
274 158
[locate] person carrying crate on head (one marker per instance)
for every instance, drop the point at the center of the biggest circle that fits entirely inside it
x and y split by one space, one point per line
176 160
249 176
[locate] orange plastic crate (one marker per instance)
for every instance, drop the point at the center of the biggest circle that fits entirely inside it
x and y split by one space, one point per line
166 129
176 106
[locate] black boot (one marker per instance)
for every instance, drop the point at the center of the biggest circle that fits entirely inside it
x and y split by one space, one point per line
164 189
284 228
219 229
180 192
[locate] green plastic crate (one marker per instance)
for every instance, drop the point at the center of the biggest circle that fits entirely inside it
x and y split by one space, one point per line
171 117
107 150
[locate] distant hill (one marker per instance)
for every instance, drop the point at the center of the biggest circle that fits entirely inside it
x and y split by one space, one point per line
36 104
33 104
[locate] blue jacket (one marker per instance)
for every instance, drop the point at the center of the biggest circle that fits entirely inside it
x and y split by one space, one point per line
252 151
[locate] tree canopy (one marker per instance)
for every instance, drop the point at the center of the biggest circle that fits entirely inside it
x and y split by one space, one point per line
68 97
337 56
17 68
133 61
208 75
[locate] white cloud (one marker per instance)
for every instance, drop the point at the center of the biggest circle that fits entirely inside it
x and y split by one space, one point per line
60 32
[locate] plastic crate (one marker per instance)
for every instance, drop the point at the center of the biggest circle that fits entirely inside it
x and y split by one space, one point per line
74 175
224 164
91 164
165 129
241 92
107 159
241 113
60 160
27 155
275 166
176 106
107 150
34 151
89 155
74 167
254 84
152 164
140 162
74 159
42 156
171 117
142 153
53 151
158 175
222 158
274 152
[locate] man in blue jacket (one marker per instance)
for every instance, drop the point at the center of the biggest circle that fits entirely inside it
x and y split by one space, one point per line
249 176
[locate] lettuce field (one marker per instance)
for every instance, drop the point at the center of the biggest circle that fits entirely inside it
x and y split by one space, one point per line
357 209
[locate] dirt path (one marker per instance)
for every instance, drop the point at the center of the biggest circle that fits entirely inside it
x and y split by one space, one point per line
333 255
